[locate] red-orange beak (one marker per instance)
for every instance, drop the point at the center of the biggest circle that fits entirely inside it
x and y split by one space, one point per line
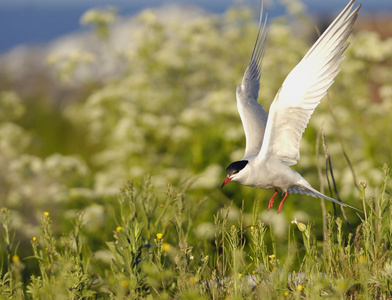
226 181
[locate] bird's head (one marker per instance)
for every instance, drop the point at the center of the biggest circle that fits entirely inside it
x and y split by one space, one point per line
233 171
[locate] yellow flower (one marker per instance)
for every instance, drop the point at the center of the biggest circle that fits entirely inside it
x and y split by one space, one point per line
159 236
34 239
15 258
166 247
46 214
124 283
252 228
239 275
118 228
286 293
300 287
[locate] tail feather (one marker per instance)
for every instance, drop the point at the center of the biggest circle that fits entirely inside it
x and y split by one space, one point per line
308 190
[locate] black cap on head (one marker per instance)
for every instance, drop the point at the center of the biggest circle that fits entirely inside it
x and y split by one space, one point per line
235 167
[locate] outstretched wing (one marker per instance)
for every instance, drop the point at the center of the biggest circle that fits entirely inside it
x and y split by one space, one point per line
303 89
253 116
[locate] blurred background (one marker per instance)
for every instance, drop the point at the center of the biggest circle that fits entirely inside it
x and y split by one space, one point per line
93 94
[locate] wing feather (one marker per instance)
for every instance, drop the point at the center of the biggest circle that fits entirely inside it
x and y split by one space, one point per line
304 88
253 115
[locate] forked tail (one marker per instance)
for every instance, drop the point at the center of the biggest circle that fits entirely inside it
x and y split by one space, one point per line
308 190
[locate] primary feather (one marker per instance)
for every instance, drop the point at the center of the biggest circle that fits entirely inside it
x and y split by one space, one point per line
303 89
253 116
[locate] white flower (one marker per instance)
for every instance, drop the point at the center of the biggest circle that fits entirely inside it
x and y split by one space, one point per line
209 178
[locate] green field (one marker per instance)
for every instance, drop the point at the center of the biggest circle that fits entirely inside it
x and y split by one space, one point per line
110 188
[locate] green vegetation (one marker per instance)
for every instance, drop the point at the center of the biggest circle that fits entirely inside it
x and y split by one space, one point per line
124 202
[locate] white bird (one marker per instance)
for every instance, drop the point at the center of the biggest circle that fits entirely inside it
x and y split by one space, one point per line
272 141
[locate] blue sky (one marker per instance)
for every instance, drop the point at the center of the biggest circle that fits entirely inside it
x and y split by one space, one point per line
29 22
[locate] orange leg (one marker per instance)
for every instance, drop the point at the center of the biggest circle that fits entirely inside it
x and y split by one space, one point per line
281 203
271 202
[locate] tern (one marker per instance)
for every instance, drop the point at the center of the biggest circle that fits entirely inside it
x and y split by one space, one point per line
272 141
